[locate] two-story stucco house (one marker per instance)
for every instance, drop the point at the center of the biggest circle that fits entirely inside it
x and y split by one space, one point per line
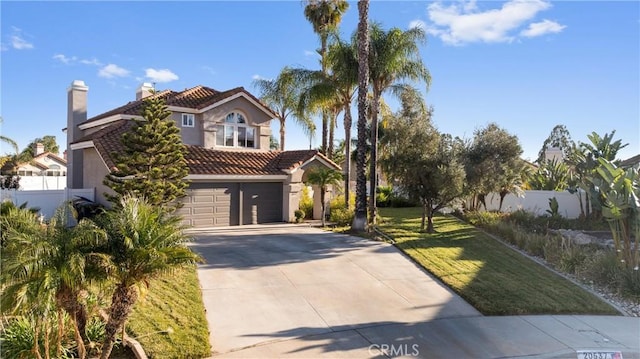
235 178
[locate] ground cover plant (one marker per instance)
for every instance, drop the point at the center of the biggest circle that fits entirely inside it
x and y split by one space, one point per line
492 277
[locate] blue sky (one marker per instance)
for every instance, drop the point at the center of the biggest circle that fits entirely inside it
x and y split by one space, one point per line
526 65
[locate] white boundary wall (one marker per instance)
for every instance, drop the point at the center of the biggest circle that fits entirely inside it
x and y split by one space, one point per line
48 201
32 183
537 202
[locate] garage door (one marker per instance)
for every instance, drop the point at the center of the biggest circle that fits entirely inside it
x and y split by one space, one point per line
229 204
211 205
261 202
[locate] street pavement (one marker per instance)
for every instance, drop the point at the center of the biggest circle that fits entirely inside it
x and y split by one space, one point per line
294 291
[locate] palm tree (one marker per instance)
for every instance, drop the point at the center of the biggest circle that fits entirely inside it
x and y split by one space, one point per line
282 95
360 216
146 242
325 16
9 141
52 262
323 177
393 56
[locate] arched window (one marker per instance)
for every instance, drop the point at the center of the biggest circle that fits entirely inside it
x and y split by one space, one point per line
235 132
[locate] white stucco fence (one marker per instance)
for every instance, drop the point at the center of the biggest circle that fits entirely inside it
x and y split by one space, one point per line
47 201
537 202
29 183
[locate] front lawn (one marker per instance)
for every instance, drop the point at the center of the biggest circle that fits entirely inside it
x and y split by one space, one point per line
172 302
493 278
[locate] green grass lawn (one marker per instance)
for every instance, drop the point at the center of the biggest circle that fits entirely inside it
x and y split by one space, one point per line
493 278
173 301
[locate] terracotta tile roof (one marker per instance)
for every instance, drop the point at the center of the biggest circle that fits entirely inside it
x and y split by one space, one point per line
203 161
196 98
632 161
51 155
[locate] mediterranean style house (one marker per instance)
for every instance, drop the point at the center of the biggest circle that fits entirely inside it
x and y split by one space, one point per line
235 179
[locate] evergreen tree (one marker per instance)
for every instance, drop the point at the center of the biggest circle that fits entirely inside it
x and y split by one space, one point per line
152 163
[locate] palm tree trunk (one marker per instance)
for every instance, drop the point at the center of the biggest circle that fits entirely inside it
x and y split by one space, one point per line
322 194
347 150
60 332
67 299
373 161
124 297
36 337
332 125
360 217
282 132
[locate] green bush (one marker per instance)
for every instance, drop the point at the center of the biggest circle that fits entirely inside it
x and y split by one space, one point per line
383 196
16 339
299 215
342 216
306 203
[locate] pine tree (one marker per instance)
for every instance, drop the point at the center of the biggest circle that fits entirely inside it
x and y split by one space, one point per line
152 163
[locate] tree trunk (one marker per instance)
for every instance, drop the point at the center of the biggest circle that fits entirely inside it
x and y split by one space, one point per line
423 222
332 125
582 214
282 133
36 337
360 216
122 302
347 150
502 196
373 160
60 333
325 114
67 299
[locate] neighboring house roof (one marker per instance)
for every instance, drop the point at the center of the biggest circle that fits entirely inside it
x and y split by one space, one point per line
196 98
630 161
204 161
36 161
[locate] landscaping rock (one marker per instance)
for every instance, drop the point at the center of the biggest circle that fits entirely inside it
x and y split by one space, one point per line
576 237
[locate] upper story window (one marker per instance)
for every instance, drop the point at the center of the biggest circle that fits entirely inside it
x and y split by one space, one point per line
235 132
188 120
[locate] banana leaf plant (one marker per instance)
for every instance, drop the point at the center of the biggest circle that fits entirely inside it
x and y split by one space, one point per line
619 195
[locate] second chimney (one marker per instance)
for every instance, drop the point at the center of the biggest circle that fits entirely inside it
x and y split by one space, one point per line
145 90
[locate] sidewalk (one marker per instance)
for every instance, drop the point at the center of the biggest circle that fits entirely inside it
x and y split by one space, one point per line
471 337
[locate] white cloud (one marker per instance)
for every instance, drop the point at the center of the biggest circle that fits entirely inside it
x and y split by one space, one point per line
209 69
462 22
542 28
111 70
163 75
310 53
64 59
17 40
93 61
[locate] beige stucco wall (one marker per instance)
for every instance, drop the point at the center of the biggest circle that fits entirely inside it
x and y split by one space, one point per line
94 171
254 116
190 135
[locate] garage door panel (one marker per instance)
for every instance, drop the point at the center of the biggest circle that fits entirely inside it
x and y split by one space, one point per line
262 203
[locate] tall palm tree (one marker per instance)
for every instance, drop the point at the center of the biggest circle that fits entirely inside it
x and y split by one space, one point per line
360 216
146 242
323 177
394 57
282 95
53 262
325 16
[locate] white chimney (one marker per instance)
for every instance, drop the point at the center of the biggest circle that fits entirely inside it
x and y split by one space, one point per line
76 114
145 90
38 149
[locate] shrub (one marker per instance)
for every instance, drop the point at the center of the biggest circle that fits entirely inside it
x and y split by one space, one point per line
383 196
306 202
17 339
299 215
342 216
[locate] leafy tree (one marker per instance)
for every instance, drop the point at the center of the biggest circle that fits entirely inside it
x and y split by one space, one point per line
325 17
145 242
424 163
51 263
489 159
360 215
152 163
273 143
558 138
323 177
394 56
283 95
513 181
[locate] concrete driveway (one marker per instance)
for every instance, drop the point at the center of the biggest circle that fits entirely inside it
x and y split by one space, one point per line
295 291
